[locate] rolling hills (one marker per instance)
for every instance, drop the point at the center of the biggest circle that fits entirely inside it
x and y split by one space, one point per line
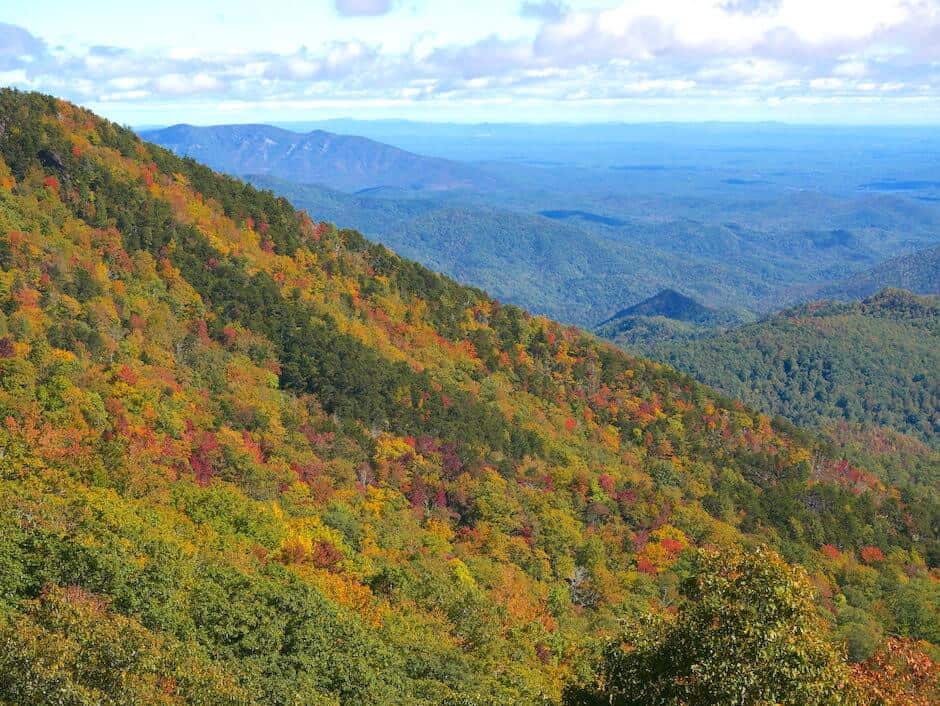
249 457
918 272
545 232
549 267
873 362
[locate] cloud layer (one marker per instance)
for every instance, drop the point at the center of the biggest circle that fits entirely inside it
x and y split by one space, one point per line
719 50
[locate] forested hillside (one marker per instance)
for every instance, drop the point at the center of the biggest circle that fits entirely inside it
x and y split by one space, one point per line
248 457
874 362
669 304
554 268
666 317
918 272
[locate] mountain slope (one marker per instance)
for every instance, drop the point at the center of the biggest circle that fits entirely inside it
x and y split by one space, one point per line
250 458
667 316
873 361
669 304
339 161
918 273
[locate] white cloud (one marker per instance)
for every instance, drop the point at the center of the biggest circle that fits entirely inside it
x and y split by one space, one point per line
716 50
853 69
832 21
127 83
184 84
654 28
827 84
747 70
14 77
123 96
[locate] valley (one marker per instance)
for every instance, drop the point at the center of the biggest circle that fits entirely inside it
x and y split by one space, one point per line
748 219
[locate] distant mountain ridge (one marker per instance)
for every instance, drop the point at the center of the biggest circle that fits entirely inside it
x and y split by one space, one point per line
665 317
670 304
343 162
918 272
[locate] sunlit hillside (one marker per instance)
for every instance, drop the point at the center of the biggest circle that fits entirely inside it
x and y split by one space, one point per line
248 457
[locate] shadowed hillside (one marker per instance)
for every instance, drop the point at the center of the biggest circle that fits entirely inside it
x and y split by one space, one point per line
666 317
669 304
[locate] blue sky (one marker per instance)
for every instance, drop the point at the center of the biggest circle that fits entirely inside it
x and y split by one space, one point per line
826 61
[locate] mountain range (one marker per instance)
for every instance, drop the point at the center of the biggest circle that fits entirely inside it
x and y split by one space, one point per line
249 457
344 162
577 234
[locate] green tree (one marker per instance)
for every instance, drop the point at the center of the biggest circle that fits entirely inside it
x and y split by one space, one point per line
747 633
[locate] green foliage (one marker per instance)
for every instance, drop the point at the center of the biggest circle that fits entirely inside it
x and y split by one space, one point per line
918 273
747 633
300 469
665 317
68 648
871 362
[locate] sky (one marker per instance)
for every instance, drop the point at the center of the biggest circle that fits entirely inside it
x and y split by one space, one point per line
204 62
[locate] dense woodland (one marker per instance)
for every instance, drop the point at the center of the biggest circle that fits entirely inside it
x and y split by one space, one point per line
667 317
248 457
918 273
873 362
550 267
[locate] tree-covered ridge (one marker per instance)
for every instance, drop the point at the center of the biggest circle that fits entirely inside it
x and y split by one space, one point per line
345 161
667 316
918 272
248 457
669 304
873 361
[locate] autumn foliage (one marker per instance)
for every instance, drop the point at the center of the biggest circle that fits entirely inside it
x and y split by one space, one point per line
900 674
288 466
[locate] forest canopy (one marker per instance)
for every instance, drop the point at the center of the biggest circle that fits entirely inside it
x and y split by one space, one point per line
249 457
